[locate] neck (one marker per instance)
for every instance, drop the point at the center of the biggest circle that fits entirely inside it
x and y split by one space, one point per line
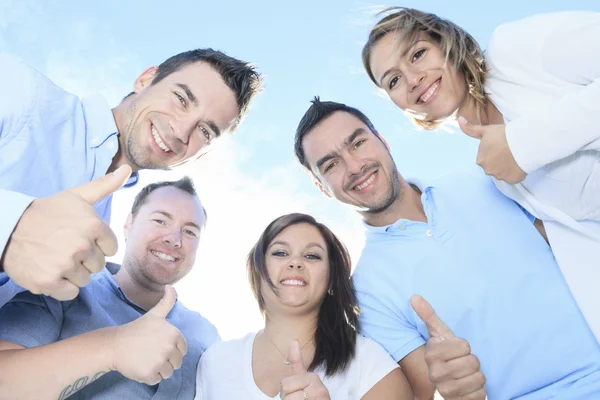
139 294
119 158
407 205
282 329
487 115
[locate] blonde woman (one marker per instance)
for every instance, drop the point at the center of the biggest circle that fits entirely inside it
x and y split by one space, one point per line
532 99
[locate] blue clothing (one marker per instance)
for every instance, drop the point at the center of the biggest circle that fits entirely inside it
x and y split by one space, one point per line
34 320
50 140
492 279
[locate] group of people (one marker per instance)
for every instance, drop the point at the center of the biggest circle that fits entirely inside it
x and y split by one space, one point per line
479 283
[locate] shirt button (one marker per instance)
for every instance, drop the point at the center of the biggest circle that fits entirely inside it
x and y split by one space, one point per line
429 233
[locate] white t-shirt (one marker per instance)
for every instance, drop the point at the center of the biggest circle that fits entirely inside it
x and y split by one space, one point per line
225 372
545 80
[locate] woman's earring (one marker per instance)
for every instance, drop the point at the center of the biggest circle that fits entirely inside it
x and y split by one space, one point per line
330 292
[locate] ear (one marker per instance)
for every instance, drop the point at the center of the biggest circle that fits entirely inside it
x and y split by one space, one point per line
145 79
127 226
322 188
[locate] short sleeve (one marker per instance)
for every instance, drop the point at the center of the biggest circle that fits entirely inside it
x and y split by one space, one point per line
389 328
31 320
374 363
14 205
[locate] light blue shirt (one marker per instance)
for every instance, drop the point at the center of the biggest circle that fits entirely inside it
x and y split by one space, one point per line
50 140
34 320
492 279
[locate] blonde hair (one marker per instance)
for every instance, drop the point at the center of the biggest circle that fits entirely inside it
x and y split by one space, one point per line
458 46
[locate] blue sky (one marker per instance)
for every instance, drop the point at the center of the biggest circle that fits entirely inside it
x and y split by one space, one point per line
304 48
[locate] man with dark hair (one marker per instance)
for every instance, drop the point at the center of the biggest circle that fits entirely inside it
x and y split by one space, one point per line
469 250
117 339
51 239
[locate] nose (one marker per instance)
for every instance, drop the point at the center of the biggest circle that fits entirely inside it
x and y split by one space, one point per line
296 264
354 165
173 238
182 128
414 79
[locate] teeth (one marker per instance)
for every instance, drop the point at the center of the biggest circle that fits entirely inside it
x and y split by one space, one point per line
365 183
293 282
429 92
163 256
158 140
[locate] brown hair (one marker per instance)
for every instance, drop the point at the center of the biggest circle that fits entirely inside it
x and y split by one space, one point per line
337 323
457 44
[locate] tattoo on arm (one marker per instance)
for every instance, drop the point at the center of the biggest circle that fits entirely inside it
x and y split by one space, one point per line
78 385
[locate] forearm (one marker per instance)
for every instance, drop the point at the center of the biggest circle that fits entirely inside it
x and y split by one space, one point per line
57 370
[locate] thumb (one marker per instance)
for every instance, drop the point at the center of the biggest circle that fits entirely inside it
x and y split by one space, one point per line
93 191
475 131
165 304
295 358
435 326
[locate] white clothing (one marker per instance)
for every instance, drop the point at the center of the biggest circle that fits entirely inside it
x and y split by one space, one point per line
225 372
545 80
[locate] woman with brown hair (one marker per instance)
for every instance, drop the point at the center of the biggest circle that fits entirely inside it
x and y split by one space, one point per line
532 100
309 349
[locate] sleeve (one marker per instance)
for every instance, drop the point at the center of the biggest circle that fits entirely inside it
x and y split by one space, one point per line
8 289
374 362
388 328
14 205
31 320
570 51
17 85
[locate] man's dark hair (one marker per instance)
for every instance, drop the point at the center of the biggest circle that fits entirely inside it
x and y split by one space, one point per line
317 112
337 323
184 184
241 77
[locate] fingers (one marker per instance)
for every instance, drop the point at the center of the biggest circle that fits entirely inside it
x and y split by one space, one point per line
106 240
463 387
295 358
63 291
166 370
295 383
79 275
475 131
182 345
176 359
165 305
436 327
94 260
93 191
454 369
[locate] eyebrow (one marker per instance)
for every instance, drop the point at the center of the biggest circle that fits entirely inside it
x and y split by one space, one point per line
402 55
188 92
166 214
312 244
346 143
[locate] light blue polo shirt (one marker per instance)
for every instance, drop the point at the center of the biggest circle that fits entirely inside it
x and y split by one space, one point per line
50 140
33 320
492 279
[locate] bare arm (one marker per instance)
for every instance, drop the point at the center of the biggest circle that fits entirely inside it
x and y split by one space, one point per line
393 386
416 371
33 373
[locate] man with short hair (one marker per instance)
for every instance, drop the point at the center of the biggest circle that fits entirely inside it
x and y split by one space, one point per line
117 339
469 250
51 239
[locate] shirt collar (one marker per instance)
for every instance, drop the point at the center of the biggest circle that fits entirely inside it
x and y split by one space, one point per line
402 224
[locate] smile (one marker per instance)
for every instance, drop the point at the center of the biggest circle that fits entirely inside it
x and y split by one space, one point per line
365 183
293 282
159 141
430 92
162 256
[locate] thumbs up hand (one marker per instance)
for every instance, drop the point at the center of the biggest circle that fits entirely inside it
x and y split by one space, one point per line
494 155
60 240
149 349
452 368
301 385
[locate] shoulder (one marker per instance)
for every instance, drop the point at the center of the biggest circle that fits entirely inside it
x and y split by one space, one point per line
368 349
226 348
194 324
